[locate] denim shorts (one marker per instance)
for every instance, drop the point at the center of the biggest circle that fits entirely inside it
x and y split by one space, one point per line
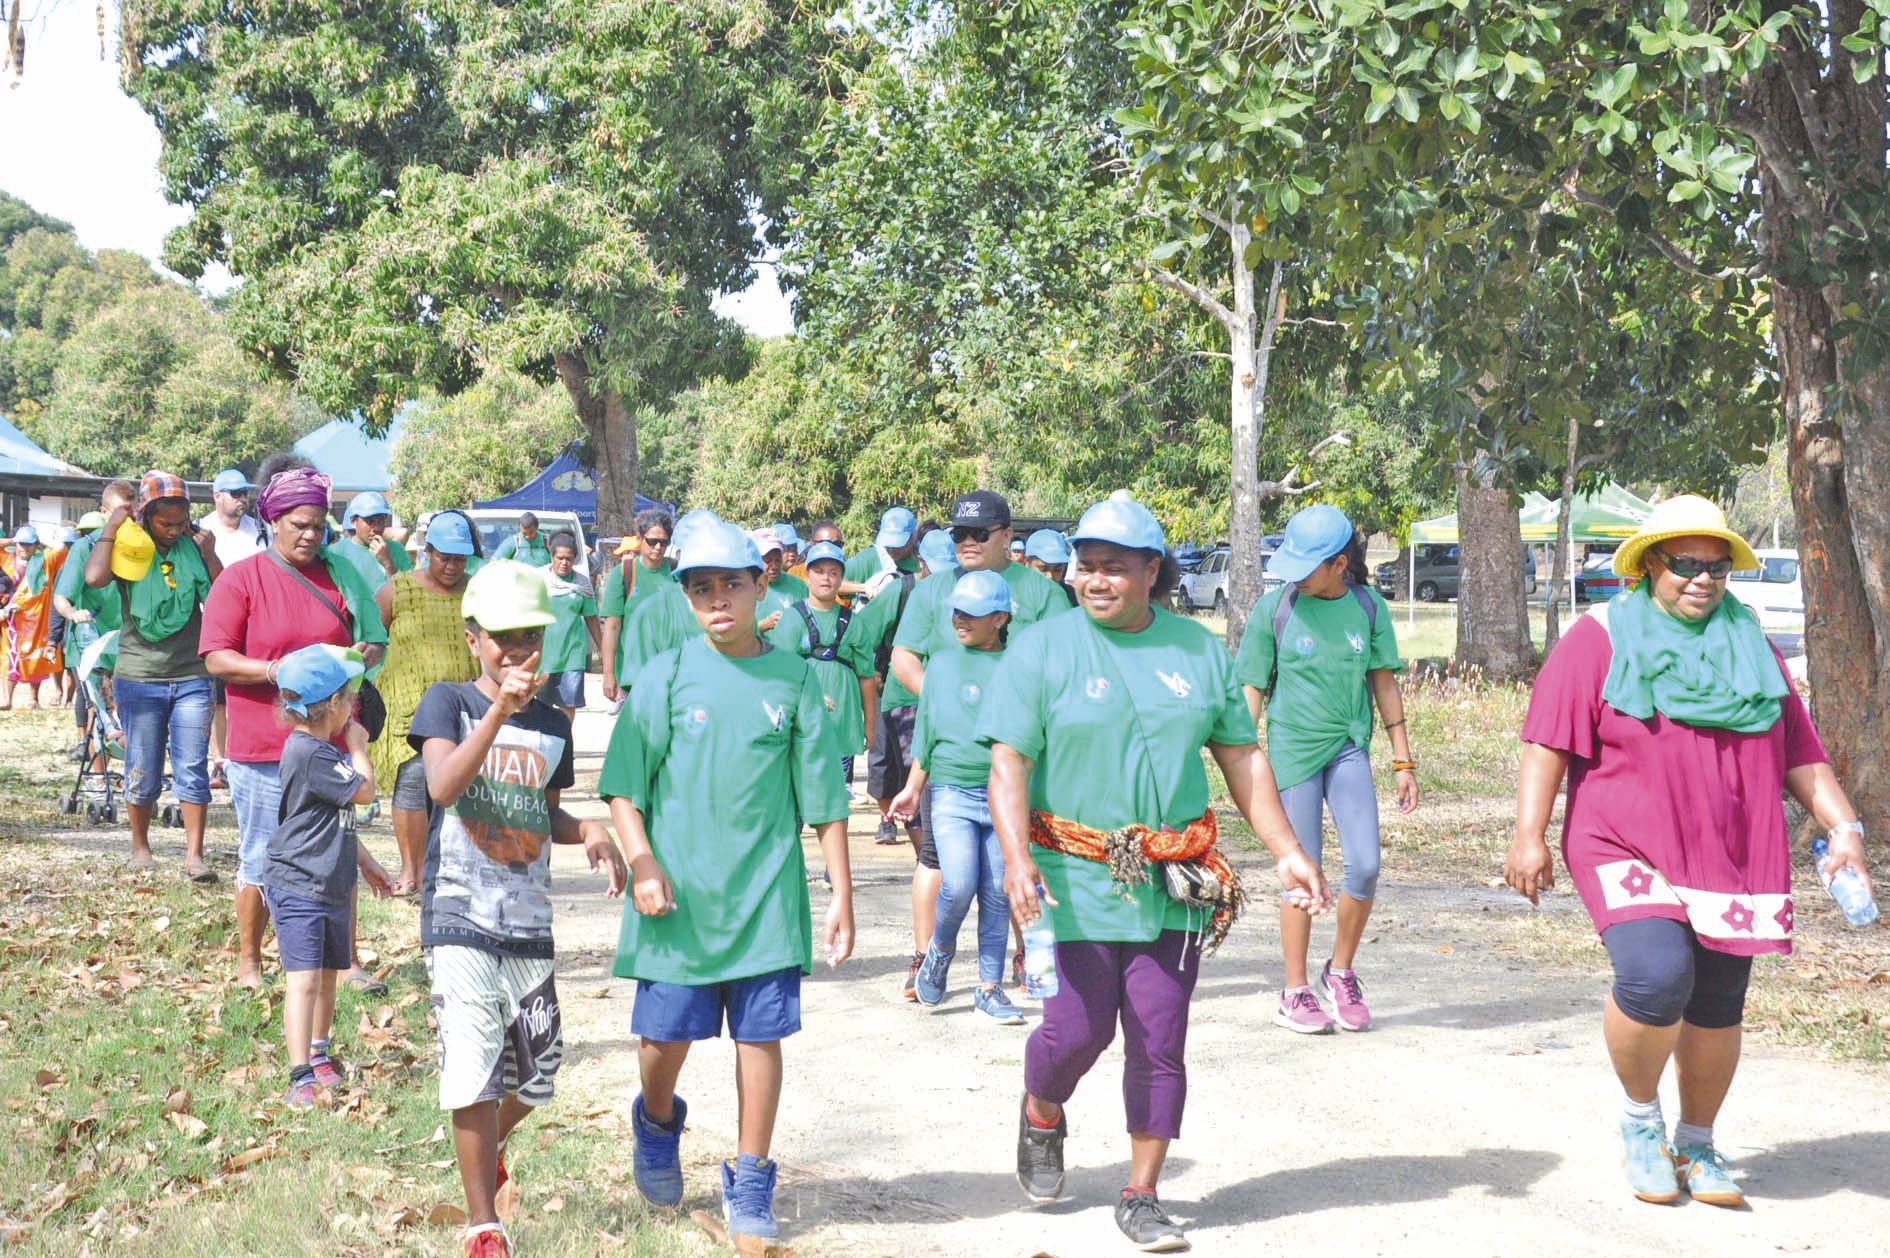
759 1010
410 786
565 690
161 716
312 935
256 795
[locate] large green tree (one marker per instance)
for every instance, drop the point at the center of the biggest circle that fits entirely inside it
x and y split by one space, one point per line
482 442
412 196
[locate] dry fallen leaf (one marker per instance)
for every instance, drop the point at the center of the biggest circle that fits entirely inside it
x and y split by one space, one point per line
505 1204
48 1078
192 1127
248 1158
550 1207
162 924
177 1102
383 1016
446 1214
1443 950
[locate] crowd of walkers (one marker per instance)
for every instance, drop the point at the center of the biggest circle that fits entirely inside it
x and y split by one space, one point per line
1035 725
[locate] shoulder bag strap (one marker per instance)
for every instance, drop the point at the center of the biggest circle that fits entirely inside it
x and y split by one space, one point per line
347 625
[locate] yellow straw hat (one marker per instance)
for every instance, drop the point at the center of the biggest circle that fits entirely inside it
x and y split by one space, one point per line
1687 515
132 551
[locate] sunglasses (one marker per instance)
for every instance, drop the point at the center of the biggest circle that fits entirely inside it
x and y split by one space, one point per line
167 568
656 542
965 534
1687 569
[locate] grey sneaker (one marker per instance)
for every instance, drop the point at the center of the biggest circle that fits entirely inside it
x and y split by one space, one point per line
928 985
888 833
995 1005
1147 1225
1040 1155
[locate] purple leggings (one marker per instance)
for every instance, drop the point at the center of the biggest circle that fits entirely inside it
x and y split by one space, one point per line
1148 987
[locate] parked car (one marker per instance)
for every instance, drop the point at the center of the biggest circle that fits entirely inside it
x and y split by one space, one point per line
1438 573
1206 588
496 524
1188 556
1597 581
1773 590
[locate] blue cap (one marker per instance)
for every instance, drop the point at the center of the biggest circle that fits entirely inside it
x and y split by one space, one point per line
825 550
1121 520
785 534
68 535
448 532
230 480
714 544
27 536
688 524
981 593
315 673
937 553
1047 546
366 504
896 527
1314 535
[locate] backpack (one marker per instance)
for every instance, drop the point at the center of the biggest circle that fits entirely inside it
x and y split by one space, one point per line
815 648
882 654
1283 611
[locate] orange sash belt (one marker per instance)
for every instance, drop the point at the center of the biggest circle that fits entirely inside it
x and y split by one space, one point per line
1130 850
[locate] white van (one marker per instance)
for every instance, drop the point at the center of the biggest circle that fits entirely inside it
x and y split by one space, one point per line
496 524
1772 590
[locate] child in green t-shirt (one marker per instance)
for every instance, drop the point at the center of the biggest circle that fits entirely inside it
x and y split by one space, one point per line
571 637
725 750
815 628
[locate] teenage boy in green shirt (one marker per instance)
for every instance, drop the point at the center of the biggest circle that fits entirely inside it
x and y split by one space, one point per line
725 751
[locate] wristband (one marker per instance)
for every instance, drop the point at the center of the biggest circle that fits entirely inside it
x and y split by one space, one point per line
1400 766
1845 827
1391 725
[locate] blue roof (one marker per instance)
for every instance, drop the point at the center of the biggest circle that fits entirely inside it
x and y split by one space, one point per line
20 456
342 450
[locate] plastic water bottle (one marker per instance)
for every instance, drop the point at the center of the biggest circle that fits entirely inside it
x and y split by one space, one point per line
1845 887
1040 957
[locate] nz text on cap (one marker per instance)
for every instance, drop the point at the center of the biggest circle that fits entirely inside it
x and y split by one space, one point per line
981 509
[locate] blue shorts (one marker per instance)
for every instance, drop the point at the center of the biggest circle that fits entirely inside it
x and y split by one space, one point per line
566 690
760 1010
311 935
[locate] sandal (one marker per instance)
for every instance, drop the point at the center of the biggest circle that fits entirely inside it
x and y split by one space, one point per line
203 875
365 983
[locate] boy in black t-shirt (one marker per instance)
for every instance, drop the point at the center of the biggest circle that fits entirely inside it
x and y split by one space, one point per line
308 882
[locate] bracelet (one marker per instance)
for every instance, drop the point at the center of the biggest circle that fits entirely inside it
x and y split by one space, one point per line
1402 766
270 672
1845 827
1391 725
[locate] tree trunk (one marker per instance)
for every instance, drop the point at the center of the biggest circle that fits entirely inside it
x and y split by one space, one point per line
613 440
1837 420
1558 565
1243 528
1492 610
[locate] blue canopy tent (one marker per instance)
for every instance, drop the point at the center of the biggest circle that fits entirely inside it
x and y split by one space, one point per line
565 485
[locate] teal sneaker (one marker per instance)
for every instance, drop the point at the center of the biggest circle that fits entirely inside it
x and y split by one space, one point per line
1649 1158
1704 1172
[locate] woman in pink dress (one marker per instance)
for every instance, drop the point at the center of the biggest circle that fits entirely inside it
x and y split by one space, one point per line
1677 727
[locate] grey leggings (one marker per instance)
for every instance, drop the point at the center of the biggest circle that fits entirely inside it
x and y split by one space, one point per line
1344 786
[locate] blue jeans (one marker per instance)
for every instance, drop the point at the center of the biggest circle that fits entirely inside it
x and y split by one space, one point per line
256 794
971 865
160 713
1344 786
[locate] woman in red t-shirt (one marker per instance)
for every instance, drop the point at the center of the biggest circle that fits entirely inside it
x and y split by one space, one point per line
263 608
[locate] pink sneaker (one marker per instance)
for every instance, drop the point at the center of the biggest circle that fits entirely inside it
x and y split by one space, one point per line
1347 995
1299 1011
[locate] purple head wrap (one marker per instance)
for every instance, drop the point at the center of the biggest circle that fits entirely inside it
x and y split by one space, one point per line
297 487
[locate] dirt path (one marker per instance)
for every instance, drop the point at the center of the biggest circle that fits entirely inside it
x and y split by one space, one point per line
1477 1119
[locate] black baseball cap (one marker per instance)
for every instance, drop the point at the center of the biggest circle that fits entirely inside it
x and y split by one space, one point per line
981 509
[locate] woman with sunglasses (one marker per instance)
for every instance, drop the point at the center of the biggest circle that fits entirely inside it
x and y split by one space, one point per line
426 643
295 592
162 567
642 562
1677 727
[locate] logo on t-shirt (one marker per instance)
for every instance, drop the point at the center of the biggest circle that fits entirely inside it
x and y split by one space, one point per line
777 713
970 692
1097 688
1357 641
1180 686
504 810
1304 644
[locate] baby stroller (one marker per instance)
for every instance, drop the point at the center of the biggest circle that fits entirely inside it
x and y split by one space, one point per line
101 781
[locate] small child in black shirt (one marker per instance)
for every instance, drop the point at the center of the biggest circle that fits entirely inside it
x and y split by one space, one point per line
313 855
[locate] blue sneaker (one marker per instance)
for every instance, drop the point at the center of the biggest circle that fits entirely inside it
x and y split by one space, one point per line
748 1198
995 1005
1649 1160
657 1164
929 983
1707 1178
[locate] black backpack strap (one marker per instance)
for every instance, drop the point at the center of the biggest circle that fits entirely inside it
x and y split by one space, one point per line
1370 604
1282 612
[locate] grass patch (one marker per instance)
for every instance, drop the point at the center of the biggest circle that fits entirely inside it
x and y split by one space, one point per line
140 1095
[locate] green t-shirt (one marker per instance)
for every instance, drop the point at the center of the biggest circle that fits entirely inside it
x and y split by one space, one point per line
660 621
868 564
839 678
1321 701
945 735
613 602
725 758
367 567
789 585
567 647
1115 723
770 602
71 586
536 551
926 628
874 623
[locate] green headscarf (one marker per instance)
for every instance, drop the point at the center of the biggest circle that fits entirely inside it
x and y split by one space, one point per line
1718 673
165 598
